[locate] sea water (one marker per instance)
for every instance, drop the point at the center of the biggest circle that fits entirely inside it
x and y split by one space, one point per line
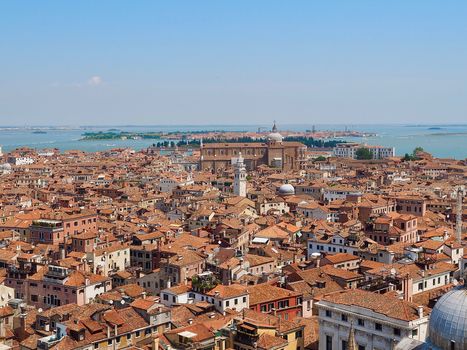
446 141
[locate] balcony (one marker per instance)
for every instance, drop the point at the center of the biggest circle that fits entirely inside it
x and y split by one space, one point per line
56 272
245 338
53 224
20 269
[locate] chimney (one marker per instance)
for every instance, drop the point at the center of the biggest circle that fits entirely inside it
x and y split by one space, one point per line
420 311
115 330
155 344
19 324
2 329
62 253
407 288
446 234
190 321
144 295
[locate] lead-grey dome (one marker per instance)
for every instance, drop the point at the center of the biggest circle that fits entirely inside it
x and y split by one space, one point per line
286 189
275 136
448 320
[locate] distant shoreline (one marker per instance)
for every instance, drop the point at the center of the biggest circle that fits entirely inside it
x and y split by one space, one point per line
249 136
447 134
447 143
122 135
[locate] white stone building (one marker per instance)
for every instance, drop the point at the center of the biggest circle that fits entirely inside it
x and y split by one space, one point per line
169 183
6 294
17 160
234 296
379 321
349 150
339 193
342 244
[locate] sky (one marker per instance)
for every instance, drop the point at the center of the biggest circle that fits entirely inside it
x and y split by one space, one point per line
113 62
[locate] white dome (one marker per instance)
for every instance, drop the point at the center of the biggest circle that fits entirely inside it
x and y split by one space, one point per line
448 320
275 136
6 166
286 189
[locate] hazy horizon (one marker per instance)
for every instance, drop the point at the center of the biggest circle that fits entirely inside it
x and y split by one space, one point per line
207 62
230 125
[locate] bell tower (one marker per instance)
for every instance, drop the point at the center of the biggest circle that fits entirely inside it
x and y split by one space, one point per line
239 177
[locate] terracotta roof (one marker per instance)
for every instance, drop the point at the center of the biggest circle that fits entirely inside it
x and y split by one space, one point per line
267 341
143 304
6 311
78 279
180 289
340 258
226 292
379 303
341 273
273 232
256 260
201 332
262 293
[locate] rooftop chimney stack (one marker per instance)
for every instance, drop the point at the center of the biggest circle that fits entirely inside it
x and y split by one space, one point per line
420 311
460 195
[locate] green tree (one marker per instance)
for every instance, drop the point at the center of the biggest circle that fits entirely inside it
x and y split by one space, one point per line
407 157
320 159
363 154
415 151
413 156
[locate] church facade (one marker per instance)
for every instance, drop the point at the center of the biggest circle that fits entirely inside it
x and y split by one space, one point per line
274 153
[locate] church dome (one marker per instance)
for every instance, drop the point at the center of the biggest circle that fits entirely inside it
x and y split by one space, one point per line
448 320
275 136
286 190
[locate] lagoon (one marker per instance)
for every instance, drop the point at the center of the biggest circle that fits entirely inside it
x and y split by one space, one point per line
445 141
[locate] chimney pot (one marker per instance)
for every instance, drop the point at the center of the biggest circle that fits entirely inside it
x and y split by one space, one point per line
420 311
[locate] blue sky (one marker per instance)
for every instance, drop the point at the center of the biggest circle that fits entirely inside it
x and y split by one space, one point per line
232 62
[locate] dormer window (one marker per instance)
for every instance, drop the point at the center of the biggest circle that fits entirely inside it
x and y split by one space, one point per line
321 284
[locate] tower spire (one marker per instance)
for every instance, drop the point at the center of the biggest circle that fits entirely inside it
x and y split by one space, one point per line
351 342
460 194
239 176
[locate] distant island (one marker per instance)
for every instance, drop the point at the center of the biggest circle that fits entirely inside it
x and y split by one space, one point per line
115 134
193 138
195 143
122 135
